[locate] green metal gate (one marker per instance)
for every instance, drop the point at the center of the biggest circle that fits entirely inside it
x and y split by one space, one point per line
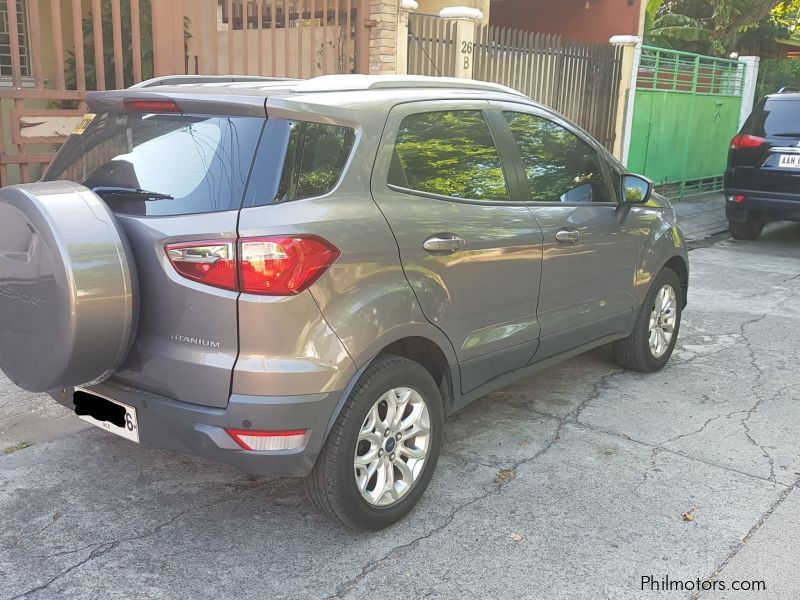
686 111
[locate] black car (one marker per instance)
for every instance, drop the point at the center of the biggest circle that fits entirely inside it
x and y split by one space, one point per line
763 177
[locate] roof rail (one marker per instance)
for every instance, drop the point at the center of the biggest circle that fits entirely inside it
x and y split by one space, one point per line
188 79
341 83
787 90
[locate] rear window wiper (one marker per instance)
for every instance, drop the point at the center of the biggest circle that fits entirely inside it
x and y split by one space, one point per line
125 191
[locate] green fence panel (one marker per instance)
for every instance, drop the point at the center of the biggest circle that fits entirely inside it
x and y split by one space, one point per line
686 111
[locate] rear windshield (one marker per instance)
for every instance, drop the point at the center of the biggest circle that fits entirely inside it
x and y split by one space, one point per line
158 164
775 117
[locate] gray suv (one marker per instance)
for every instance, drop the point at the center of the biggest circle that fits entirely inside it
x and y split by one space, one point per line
303 278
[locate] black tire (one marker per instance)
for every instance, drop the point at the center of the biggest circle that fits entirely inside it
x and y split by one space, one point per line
331 485
748 230
633 352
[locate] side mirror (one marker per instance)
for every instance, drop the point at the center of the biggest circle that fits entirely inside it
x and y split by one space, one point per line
636 189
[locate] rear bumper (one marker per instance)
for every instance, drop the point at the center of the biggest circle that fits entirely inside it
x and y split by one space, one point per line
770 204
200 430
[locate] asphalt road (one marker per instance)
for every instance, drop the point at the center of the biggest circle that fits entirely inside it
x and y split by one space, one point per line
607 476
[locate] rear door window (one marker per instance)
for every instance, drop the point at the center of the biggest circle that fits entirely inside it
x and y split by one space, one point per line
158 164
448 153
775 117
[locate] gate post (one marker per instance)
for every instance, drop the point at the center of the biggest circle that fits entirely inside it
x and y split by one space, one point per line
629 71
750 66
406 6
465 19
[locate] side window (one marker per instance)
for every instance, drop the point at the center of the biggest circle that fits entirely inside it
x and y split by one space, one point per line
559 165
315 159
449 153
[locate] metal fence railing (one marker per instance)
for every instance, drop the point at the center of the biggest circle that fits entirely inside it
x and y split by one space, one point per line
671 70
65 48
686 109
577 79
431 46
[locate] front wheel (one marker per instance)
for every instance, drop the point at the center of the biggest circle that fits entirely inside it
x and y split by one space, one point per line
381 452
655 332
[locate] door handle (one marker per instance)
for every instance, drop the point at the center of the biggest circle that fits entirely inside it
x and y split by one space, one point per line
444 242
568 236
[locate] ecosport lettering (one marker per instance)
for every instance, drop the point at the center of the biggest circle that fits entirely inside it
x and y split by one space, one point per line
194 341
9 292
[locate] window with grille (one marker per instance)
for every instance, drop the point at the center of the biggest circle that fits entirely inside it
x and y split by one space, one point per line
5 40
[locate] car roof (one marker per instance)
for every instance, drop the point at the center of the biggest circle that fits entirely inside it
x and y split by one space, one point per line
248 95
784 96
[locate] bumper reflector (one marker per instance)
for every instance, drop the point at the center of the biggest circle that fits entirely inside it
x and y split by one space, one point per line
268 440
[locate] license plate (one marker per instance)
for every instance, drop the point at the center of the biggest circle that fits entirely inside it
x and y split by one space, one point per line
130 429
792 161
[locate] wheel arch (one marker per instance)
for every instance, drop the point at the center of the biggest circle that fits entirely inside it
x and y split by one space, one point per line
681 269
417 345
665 247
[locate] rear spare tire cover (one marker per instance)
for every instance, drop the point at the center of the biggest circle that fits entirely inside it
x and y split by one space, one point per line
67 287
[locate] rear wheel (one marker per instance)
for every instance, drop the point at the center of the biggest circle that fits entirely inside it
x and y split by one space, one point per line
382 451
747 230
655 332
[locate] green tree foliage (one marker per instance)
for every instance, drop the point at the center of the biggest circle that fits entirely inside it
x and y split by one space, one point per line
718 26
774 74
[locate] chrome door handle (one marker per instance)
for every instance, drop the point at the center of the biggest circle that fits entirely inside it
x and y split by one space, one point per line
568 236
444 242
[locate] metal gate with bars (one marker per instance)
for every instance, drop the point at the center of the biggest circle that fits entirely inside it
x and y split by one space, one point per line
53 51
579 80
686 111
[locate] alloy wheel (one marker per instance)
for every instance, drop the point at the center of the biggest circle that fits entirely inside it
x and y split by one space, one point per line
662 321
392 446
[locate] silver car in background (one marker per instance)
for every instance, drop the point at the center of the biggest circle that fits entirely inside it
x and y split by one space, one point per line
303 278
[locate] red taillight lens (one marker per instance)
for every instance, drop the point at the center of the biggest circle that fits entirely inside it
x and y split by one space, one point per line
212 263
268 440
274 266
747 141
283 265
151 105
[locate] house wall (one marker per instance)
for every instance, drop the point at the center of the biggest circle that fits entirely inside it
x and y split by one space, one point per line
586 20
432 7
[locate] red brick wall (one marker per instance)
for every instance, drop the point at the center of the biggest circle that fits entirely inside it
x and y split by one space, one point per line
571 18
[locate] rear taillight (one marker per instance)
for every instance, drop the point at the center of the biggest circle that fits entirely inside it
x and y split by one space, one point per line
283 265
268 440
212 263
742 141
275 265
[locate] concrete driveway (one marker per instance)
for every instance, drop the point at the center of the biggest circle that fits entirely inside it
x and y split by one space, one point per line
573 484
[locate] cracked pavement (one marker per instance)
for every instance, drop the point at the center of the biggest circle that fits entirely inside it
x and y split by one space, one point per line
603 463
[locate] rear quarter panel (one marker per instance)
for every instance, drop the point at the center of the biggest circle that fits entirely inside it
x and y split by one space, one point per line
363 301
